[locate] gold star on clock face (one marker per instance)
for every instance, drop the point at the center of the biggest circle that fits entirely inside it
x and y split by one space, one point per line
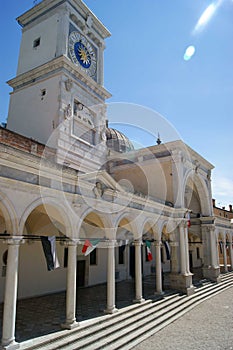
84 54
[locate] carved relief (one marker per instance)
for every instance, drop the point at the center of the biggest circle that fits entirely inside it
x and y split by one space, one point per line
68 85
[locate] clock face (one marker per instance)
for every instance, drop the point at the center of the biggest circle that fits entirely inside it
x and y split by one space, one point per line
82 53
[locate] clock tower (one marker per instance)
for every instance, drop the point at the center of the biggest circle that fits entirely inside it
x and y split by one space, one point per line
58 89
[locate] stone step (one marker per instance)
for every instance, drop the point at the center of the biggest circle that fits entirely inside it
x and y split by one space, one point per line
113 331
130 325
154 320
104 321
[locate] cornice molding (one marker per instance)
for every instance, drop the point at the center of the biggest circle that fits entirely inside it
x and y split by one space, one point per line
52 67
47 5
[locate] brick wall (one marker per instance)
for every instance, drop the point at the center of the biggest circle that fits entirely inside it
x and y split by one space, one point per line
10 138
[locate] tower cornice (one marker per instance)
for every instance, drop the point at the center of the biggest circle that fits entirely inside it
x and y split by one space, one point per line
53 67
46 5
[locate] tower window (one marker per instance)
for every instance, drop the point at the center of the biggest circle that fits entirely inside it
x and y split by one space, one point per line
36 42
43 92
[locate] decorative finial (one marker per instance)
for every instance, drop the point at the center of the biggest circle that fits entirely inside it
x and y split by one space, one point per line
158 140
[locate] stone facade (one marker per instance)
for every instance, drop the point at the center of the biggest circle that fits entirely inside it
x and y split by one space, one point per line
58 181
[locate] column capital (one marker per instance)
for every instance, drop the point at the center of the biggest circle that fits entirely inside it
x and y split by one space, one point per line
174 244
111 243
183 223
14 240
208 227
157 243
137 242
72 242
207 220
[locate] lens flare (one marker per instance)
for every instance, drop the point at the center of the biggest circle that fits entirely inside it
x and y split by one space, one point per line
189 52
207 15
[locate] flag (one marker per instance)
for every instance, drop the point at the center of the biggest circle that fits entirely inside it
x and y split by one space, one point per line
189 220
49 248
220 246
149 255
89 246
168 250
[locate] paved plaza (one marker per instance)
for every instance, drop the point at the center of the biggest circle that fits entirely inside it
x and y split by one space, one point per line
209 326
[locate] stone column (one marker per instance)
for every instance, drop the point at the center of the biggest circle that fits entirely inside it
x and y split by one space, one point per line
186 242
231 253
158 267
183 280
211 268
111 308
213 247
101 63
63 30
138 272
71 286
10 300
183 255
225 255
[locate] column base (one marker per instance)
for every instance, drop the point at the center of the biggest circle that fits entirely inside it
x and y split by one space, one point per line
138 301
212 273
159 293
69 325
12 346
182 282
111 311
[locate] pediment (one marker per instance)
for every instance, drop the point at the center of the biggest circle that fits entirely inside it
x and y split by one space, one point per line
103 178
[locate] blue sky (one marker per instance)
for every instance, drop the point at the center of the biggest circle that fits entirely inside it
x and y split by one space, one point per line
144 65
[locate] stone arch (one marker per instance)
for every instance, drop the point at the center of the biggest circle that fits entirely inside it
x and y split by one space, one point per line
9 217
8 224
128 222
54 209
47 217
92 218
149 225
198 193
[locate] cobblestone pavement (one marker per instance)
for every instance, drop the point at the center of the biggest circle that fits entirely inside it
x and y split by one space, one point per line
209 326
43 315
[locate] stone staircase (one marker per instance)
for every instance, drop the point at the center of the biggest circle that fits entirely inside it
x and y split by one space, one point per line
131 325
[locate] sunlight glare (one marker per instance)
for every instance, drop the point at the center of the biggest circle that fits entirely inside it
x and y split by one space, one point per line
207 15
189 53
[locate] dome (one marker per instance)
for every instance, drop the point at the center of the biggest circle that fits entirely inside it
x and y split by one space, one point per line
117 141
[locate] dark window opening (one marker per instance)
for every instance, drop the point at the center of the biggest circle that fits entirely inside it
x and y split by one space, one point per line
121 259
93 257
66 257
36 42
198 253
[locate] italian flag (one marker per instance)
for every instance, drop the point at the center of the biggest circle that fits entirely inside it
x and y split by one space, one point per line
149 254
89 246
